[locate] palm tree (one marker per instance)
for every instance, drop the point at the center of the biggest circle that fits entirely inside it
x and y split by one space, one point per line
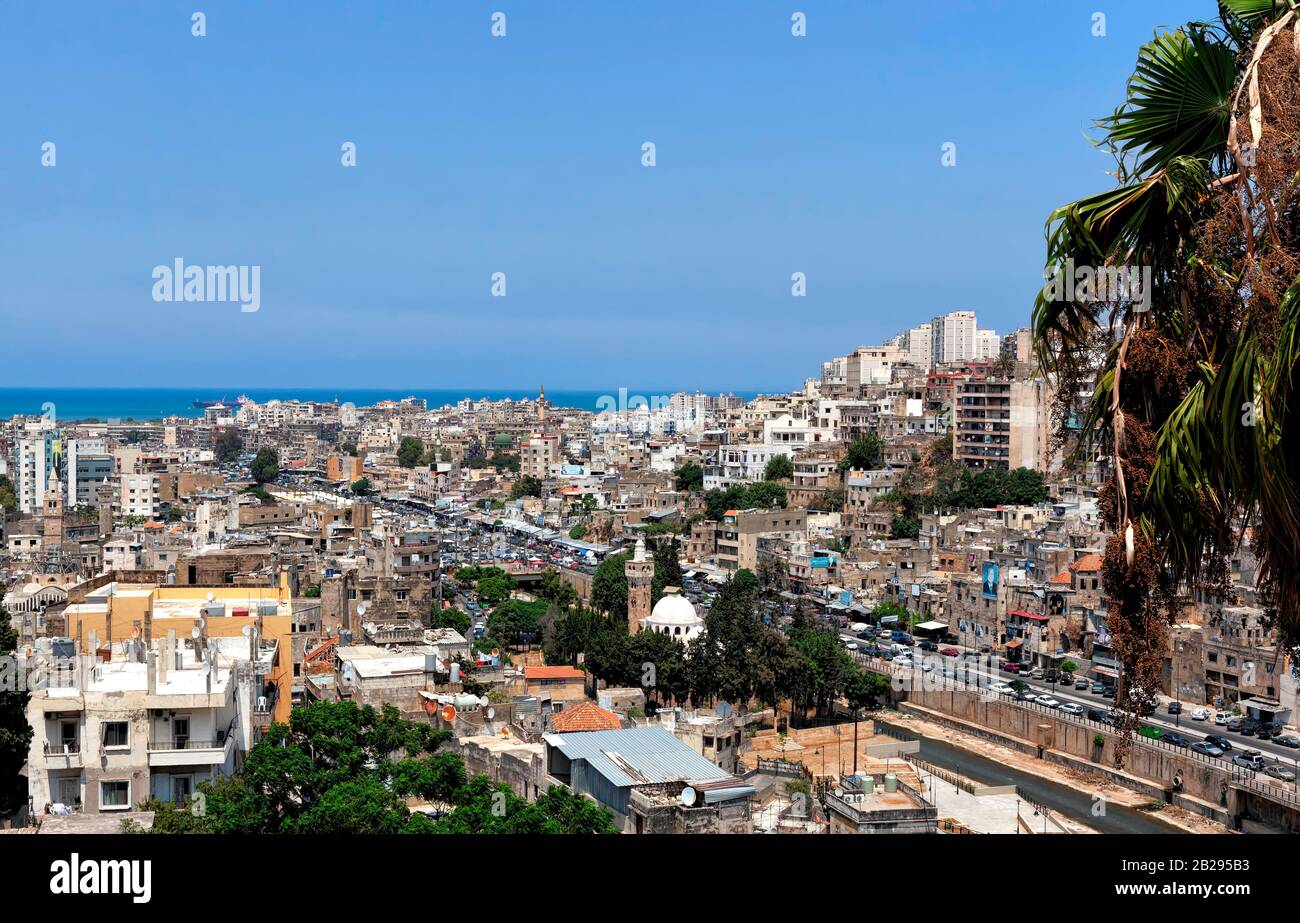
1192 368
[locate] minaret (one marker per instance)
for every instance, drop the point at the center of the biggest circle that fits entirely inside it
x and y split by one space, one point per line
52 519
640 573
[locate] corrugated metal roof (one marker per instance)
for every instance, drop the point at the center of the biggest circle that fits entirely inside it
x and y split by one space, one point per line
637 756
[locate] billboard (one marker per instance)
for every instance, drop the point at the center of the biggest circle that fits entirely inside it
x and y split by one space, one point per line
990 588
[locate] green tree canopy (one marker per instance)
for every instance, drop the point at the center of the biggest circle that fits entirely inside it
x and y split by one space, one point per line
266 465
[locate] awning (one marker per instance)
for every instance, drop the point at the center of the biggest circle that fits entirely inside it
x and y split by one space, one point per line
1011 645
1027 615
932 626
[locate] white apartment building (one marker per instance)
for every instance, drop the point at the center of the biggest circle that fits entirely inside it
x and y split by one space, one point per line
139 495
952 337
988 345
918 343
149 722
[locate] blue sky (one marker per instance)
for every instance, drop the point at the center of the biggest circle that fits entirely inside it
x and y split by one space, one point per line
522 155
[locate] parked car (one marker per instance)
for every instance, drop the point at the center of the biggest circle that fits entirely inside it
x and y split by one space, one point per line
1072 708
1001 689
928 645
1107 692
1266 731
1026 695
1219 741
949 652
1175 708
1048 701
1178 740
1249 759
1200 714
1288 740
1279 772
1036 673
1096 714
1221 718
1098 688
1009 667
1081 684
1247 726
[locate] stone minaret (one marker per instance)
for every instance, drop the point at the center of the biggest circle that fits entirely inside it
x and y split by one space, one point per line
52 519
640 572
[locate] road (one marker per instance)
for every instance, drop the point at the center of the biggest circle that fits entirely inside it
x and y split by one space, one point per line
1274 754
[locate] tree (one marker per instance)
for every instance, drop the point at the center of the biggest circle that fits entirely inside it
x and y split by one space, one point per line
690 477
778 468
229 446
361 487
668 568
765 494
905 527
578 531
409 451
1195 367
609 587
265 466
864 689
494 588
8 498
15 733
451 618
864 453
526 486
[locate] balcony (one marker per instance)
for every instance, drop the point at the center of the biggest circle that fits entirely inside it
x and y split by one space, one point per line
190 752
62 755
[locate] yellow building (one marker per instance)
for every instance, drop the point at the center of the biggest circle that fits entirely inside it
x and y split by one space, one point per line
116 612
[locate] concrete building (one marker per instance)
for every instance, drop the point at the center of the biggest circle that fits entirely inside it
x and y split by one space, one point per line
538 456
952 337
1001 423
142 720
640 572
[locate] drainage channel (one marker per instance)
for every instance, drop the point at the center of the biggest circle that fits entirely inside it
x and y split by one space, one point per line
1061 798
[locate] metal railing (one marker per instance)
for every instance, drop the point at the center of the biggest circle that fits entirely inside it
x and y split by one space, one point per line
186 743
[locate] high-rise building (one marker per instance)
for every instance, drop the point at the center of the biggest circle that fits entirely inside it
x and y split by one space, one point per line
952 337
987 344
920 346
1001 423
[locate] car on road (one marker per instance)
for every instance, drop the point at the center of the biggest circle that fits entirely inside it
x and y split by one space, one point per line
1009 667
1175 708
1219 741
1266 731
949 652
1036 673
1107 692
1096 714
1001 689
1071 708
1081 684
1026 695
1207 748
1047 701
1221 718
928 645
1249 759
1279 772
1199 714
1098 687
1288 740
1178 740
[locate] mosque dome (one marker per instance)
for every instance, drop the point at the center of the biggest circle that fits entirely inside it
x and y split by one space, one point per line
675 616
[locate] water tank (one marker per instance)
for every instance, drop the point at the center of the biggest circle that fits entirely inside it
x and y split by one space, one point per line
62 647
345 636
430 663
455 672
891 782
868 784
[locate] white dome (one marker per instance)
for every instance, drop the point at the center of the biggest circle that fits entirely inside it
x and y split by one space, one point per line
674 610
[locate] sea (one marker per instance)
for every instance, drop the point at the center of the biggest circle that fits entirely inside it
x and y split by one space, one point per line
73 404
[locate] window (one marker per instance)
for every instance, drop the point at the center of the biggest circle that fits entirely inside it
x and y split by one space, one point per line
116 734
115 796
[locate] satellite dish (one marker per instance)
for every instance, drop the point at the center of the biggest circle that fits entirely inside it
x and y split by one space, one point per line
211 596
246 630
688 796
194 632
449 712
491 713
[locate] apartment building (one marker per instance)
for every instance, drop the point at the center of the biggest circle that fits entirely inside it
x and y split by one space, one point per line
139 495
952 337
1001 423
538 456
136 720
739 531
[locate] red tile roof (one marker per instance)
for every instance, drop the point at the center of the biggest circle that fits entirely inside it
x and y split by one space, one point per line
1088 563
532 673
586 716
